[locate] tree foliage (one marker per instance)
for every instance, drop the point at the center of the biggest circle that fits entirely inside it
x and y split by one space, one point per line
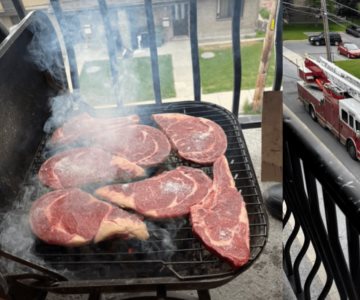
335 7
343 11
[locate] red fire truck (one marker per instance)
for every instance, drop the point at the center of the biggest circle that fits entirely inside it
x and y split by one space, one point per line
332 97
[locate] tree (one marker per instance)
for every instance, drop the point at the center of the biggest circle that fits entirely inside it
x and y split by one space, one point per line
346 12
331 7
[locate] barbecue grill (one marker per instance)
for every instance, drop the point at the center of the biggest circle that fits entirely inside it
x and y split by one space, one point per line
172 259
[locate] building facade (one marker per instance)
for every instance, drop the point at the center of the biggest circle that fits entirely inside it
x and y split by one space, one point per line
129 21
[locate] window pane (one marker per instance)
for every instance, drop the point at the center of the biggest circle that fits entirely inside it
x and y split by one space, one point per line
225 8
351 121
344 116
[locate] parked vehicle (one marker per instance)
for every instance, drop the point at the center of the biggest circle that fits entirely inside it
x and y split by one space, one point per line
353 30
349 49
317 40
331 104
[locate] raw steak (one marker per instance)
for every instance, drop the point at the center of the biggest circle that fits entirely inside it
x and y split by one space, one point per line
196 139
170 194
221 220
144 145
84 126
80 166
74 218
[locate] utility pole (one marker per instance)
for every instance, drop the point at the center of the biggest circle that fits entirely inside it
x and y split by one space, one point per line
265 58
326 29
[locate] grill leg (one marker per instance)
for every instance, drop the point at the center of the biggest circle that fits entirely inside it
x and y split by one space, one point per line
161 292
95 295
19 291
204 295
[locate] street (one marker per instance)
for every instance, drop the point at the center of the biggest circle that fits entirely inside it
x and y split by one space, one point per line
304 47
292 102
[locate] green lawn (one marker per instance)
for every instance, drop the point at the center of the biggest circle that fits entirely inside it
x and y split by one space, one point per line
135 80
296 31
217 72
352 66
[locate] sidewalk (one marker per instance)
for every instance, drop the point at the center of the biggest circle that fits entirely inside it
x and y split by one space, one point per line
293 57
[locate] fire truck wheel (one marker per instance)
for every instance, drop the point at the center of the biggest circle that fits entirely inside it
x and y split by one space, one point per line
312 113
351 150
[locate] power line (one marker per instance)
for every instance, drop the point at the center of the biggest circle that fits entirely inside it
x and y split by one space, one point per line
348 7
301 6
317 15
301 11
341 19
332 20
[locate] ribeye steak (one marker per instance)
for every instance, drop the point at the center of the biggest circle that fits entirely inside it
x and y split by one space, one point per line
196 139
170 194
221 220
141 144
80 166
73 218
84 126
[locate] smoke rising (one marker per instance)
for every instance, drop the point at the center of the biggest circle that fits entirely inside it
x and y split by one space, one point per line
45 54
63 107
16 236
44 50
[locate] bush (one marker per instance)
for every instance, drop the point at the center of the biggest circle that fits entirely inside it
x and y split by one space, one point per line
248 108
264 13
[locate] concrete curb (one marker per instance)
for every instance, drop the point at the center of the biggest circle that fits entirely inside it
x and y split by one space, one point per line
293 57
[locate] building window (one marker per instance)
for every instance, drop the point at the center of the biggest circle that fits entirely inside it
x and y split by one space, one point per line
344 116
225 8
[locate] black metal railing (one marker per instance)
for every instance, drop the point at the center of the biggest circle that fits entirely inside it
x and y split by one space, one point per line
193 11
3 32
153 50
318 191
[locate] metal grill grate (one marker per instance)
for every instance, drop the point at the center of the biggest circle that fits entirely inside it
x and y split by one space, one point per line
184 256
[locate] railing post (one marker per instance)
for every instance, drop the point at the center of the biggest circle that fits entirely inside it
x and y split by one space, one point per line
153 50
195 50
20 9
278 48
112 51
236 55
68 45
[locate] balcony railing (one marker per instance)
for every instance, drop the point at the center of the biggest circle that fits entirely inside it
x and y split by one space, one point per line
322 214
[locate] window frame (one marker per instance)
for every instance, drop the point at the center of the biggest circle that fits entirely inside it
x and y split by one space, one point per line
351 121
218 10
343 112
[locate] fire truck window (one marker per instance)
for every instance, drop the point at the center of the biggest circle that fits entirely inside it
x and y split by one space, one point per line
351 121
357 125
344 116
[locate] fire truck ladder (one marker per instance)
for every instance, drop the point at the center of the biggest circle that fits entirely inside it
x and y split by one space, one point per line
341 78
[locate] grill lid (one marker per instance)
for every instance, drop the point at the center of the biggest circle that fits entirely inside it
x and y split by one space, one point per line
24 94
